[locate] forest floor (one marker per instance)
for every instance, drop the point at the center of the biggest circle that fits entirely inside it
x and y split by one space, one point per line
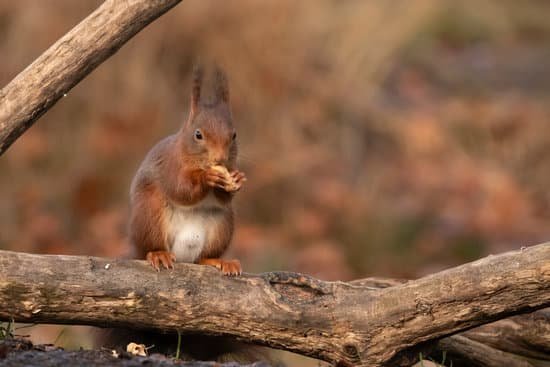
21 352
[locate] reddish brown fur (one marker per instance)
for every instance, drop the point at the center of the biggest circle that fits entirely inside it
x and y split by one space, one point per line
146 230
222 239
177 171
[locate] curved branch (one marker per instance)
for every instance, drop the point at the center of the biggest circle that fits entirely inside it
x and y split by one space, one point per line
346 323
37 88
465 352
522 340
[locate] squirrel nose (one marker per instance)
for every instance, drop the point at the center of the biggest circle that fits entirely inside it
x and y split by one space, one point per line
219 158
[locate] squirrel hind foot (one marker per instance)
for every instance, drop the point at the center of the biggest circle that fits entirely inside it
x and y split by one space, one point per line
227 267
156 258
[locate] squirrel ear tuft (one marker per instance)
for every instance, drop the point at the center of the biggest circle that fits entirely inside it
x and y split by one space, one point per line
196 91
221 86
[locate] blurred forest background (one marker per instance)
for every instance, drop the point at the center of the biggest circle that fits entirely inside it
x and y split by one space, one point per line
387 138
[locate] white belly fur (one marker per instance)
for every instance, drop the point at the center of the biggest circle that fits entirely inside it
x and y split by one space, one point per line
189 227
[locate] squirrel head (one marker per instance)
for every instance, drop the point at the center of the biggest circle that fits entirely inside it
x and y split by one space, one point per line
208 136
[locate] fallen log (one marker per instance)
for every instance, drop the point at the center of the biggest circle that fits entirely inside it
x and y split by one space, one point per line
522 340
343 323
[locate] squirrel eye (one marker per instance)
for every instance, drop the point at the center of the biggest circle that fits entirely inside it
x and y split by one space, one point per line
198 134
234 136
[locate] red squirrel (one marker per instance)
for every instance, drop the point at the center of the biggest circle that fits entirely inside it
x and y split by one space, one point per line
181 210
181 194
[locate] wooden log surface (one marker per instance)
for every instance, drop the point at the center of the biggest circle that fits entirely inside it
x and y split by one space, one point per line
522 340
345 323
465 352
526 335
69 60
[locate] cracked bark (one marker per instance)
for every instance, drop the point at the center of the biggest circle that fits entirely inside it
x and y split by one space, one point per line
346 323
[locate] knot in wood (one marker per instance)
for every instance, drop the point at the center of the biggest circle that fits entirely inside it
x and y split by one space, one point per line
351 351
423 307
303 286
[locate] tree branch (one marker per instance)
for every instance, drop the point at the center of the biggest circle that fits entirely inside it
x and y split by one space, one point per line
346 323
522 340
527 335
37 88
465 352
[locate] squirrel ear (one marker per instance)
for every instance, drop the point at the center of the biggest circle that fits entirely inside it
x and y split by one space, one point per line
221 86
196 91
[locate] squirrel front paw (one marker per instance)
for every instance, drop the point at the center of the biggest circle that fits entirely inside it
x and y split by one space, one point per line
227 267
238 179
165 258
219 177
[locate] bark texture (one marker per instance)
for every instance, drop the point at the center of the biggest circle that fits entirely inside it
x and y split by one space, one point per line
465 352
527 335
37 88
522 340
345 323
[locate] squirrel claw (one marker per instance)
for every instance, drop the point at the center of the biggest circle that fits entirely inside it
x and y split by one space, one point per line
230 267
156 258
227 267
217 179
238 179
